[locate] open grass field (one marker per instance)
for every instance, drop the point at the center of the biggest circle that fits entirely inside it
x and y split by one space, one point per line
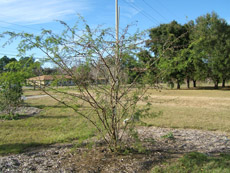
199 109
205 109
54 124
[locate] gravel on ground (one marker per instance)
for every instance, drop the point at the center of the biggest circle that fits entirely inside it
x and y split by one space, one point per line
160 144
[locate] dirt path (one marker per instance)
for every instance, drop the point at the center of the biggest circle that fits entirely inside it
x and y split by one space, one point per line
36 96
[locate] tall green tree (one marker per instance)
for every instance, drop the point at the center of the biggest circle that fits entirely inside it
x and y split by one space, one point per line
4 61
195 68
12 79
212 40
34 66
167 42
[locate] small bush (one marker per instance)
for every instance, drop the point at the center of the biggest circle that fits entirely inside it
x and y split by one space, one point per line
169 136
10 98
9 117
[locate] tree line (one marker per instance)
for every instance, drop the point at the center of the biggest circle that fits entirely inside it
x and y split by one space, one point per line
199 50
196 51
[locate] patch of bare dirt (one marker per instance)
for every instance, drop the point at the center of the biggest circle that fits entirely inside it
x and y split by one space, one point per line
28 111
24 112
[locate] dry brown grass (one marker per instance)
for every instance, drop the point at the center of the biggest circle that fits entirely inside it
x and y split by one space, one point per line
200 109
30 92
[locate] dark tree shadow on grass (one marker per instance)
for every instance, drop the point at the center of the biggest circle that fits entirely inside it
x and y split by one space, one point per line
211 88
6 149
48 106
56 116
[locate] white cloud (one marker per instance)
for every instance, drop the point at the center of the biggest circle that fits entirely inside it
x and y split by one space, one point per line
130 11
40 11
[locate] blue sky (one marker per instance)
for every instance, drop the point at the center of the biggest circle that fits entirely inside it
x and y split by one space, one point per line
32 15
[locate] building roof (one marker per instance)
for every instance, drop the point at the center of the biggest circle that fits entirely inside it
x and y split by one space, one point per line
49 77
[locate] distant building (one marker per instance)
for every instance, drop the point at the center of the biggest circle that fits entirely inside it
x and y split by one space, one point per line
46 80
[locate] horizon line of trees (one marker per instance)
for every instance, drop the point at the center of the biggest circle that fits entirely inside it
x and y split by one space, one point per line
197 50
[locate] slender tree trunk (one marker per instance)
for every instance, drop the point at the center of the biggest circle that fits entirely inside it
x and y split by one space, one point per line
178 84
216 84
194 83
188 83
223 82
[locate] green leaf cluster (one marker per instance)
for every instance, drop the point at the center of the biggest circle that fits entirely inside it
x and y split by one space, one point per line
12 78
197 50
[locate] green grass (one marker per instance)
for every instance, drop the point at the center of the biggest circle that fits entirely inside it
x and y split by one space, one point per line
9 117
31 92
55 124
198 109
196 163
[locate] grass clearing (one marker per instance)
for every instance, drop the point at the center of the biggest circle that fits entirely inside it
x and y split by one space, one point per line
55 124
31 92
198 109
